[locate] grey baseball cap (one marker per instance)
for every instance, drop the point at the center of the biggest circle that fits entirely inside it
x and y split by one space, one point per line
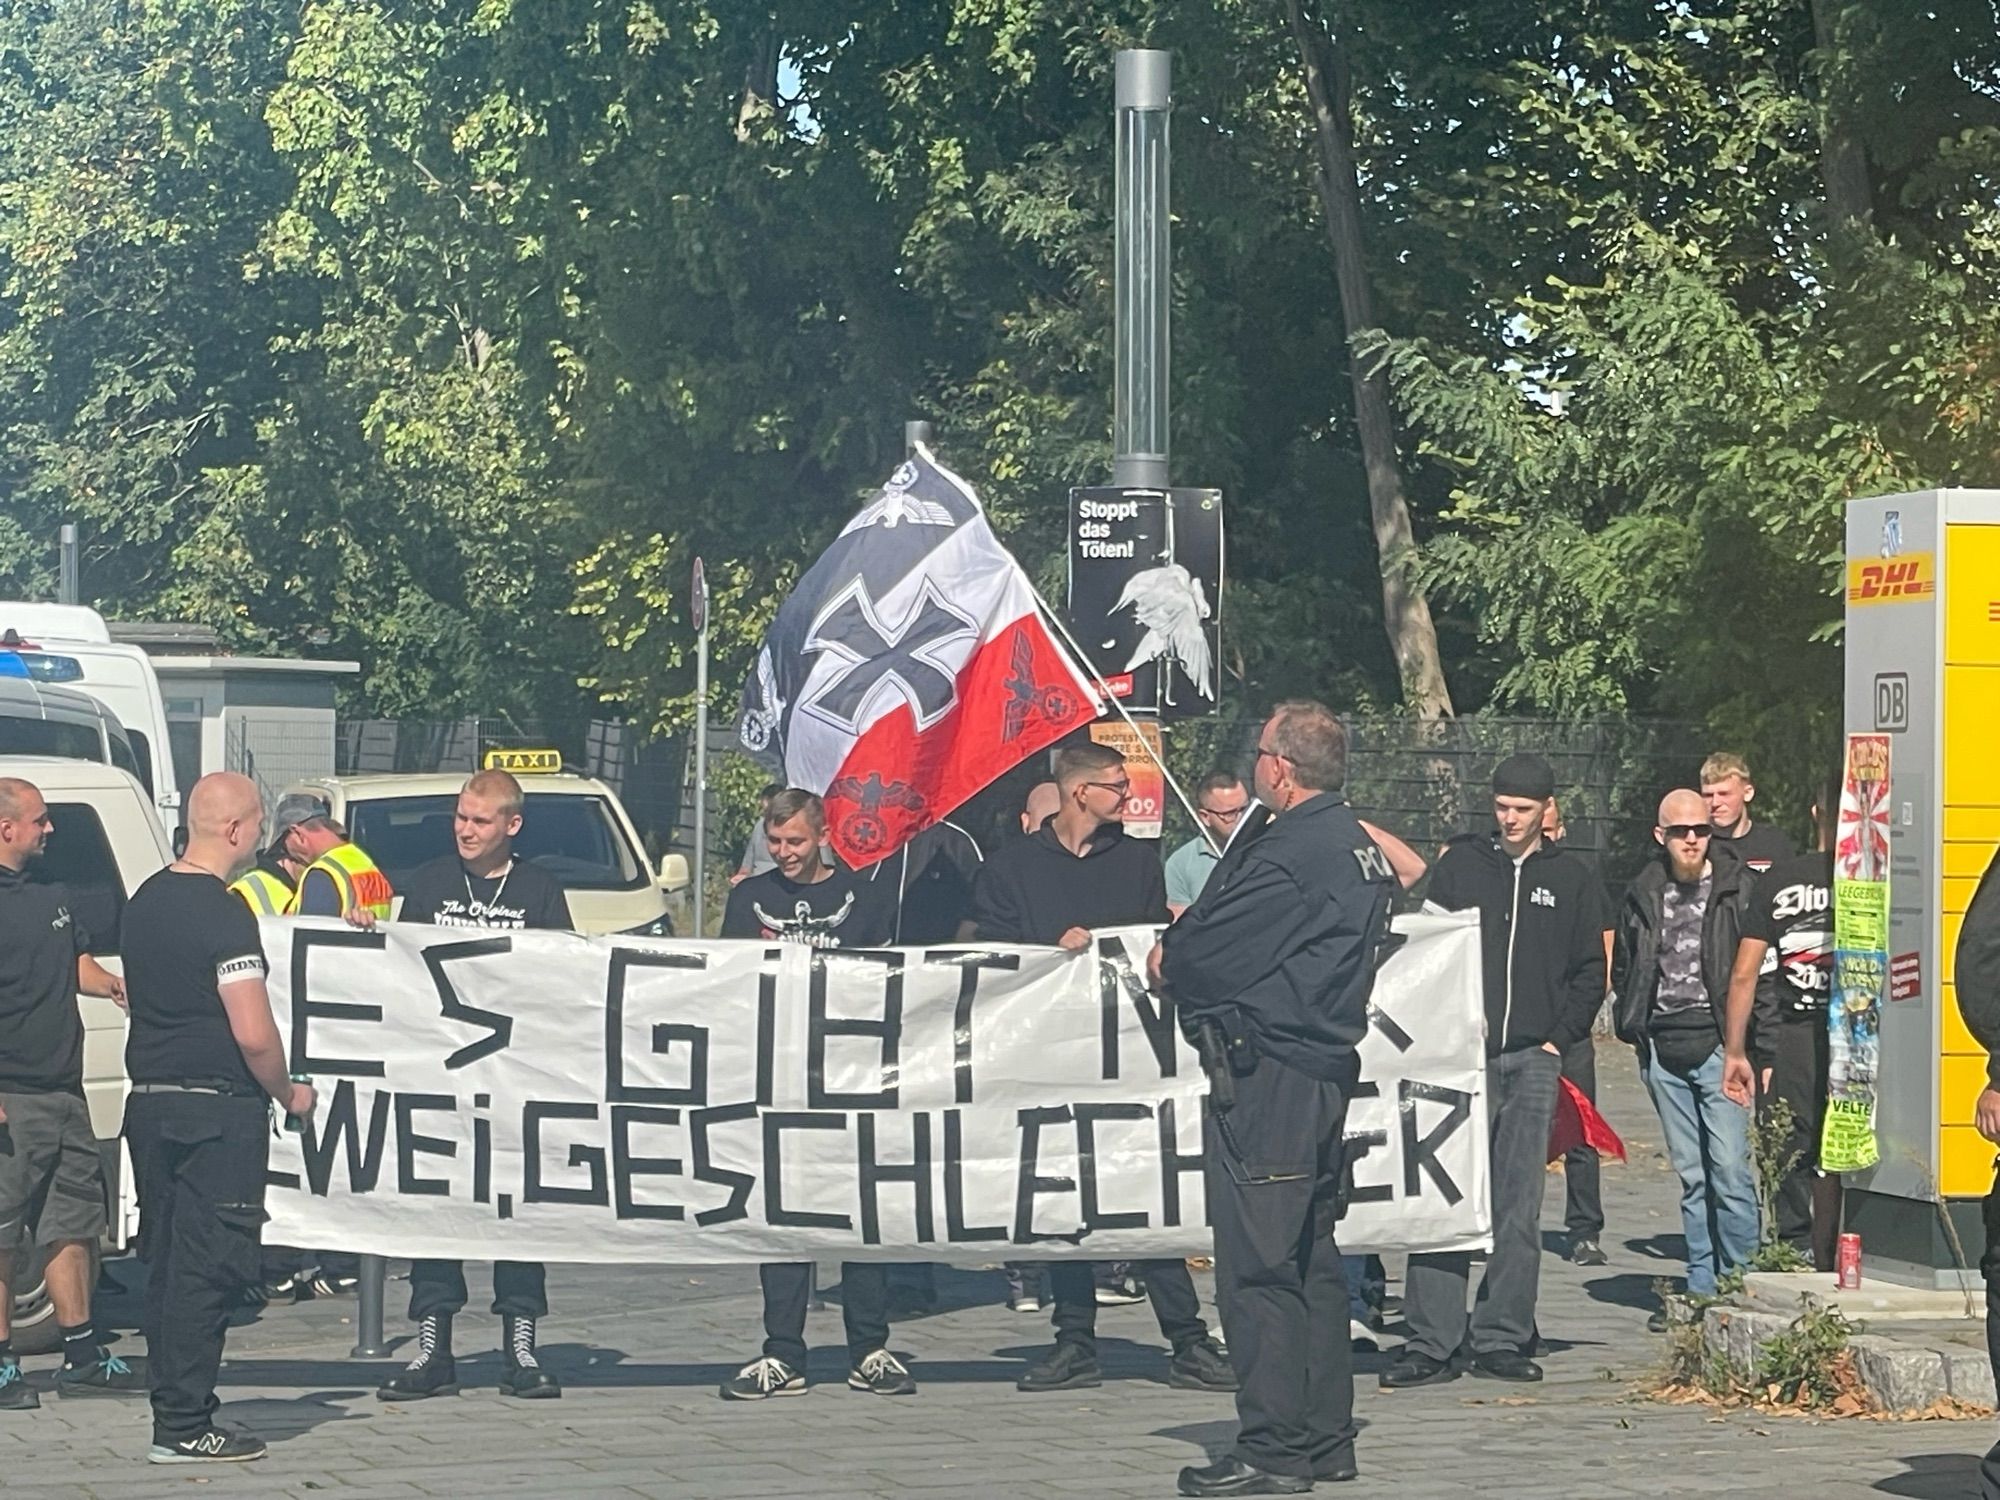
293 809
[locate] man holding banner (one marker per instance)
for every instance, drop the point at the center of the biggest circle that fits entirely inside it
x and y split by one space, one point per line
481 885
1272 969
804 899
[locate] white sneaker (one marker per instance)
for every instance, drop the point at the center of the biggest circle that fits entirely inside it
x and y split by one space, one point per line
1361 1337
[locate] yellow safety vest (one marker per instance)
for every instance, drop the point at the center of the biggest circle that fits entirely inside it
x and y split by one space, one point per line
354 876
264 893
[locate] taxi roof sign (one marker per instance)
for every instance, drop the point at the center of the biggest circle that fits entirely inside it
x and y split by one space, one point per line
524 762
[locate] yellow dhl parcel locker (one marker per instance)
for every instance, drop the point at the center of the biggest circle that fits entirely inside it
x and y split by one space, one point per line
1923 667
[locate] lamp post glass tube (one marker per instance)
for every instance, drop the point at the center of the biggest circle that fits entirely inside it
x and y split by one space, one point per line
1141 287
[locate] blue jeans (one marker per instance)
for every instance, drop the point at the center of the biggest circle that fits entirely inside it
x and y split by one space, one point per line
1708 1139
1367 1284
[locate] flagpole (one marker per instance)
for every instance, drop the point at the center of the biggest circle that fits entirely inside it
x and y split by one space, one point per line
1110 697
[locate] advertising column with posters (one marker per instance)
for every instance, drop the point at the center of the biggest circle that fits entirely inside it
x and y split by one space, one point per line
1861 956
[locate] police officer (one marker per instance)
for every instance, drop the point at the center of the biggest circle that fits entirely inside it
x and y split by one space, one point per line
337 876
1273 966
268 886
205 1061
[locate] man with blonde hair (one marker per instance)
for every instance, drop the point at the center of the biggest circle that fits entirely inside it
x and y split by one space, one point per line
1727 789
481 885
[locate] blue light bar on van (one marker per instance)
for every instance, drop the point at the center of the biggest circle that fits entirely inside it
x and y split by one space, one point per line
45 668
11 664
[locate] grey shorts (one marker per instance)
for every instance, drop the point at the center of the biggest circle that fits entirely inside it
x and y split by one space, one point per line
51 1175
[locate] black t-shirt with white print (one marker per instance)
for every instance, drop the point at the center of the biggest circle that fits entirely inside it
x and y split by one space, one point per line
184 935
1791 908
445 894
844 910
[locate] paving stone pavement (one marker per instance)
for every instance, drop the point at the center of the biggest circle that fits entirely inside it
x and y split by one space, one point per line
641 1350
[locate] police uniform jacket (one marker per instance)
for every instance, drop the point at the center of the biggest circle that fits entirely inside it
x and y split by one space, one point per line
1287 929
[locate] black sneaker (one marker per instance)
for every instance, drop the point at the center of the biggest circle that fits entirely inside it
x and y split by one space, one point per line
217 1445
763 1378
1657 1321
1411 1369
1027 1302
275 1293
15 1392
1202 1367
1506 1364
333 1286
1069 1367
1229 1475
427 1376
881 1374
109 1376
1585 1251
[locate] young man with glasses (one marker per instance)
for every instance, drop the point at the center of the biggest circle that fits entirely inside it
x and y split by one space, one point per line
1078 871
1677 934
1220 800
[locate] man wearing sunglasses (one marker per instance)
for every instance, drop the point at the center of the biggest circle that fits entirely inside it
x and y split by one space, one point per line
1678 929
1079 871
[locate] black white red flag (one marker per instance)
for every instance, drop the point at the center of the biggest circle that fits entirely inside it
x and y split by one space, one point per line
909 667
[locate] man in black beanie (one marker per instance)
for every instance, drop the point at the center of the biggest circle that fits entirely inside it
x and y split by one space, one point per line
1544 975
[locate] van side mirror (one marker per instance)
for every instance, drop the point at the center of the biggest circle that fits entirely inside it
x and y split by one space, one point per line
673 874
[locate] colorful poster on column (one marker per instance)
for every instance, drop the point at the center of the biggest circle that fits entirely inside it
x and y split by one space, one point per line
1861 956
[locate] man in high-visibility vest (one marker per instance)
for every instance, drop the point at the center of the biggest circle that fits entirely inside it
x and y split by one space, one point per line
336 879
267 887
339 878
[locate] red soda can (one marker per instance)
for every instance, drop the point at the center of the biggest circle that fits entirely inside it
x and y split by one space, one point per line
1847 1265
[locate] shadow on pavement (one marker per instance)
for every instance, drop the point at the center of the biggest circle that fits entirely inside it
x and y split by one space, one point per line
1626 1289
1934 1476
1670 1247
276 1421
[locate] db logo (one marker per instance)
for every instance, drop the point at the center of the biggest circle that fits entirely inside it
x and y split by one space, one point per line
1892 701
1890 580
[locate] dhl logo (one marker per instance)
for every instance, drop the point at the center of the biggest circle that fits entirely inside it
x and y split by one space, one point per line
1891 580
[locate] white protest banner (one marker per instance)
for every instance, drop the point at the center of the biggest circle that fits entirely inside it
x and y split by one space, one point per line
538 1096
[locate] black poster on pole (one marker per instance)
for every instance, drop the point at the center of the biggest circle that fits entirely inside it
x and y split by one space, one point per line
1145 594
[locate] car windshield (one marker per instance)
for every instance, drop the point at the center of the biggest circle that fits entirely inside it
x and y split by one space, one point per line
575 839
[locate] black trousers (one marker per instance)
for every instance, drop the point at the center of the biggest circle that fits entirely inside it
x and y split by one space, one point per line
198 1161
864 1306
1989 1268
1798 1076
1274 1177
1583 1202
519 1288
1073 1289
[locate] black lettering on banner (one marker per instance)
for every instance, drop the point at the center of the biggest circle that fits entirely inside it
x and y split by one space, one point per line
665 1033
705 1169
888 1031
625 1166
304 1007
776 1123
343 1130
1087 1116
482 1150
968 966
436 957
1173 1164
1420 1154
1355 1146
956 1230
916 1172
409 1143
1029 1184
1385 1023
590 1158
1118 981
767 1023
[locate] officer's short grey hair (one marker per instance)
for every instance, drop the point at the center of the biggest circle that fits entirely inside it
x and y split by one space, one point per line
1311 737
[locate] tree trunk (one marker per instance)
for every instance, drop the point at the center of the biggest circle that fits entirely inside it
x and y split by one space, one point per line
1843 164
1406 613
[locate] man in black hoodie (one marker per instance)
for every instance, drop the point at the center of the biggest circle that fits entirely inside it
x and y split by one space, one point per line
1678 930
1976 983
1075 872
1543 944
